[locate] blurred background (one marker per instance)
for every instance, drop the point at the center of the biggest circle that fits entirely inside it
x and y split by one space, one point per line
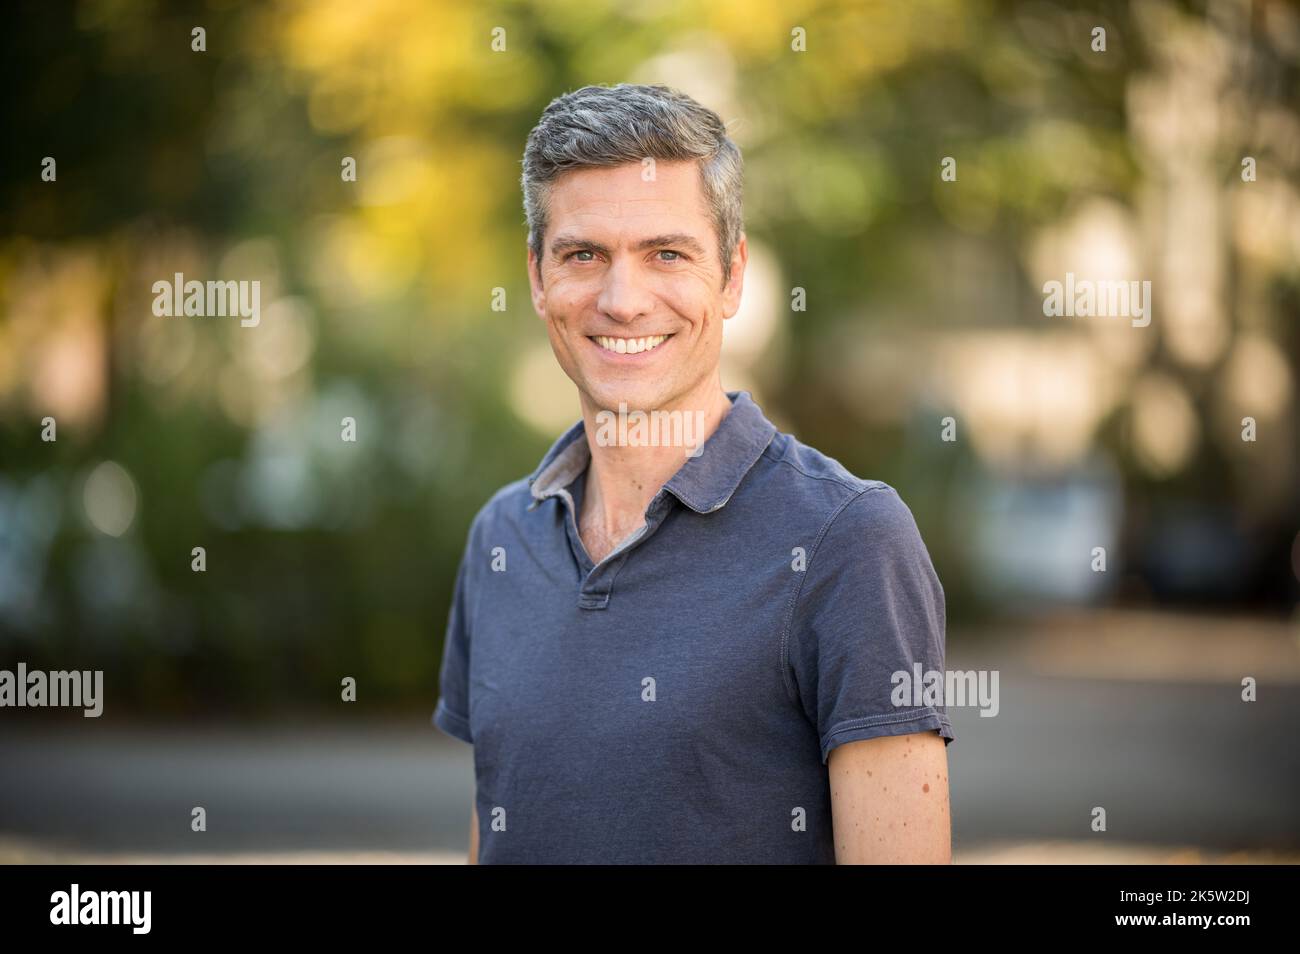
924 301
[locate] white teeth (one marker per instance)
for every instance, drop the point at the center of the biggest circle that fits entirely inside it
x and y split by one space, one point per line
630 345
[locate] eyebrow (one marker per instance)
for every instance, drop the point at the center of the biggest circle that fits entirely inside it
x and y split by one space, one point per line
568 243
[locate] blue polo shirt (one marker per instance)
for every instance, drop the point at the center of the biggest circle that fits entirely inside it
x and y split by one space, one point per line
677 701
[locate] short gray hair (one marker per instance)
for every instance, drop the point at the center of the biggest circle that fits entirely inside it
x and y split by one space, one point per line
611 125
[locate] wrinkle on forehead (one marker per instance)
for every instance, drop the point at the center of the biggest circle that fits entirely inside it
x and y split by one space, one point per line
583 196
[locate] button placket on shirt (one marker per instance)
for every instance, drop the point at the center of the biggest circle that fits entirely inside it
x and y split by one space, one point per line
598 580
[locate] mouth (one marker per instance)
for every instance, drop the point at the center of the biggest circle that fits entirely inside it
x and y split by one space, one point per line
628 346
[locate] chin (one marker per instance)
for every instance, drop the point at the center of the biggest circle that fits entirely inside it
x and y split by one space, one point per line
635 395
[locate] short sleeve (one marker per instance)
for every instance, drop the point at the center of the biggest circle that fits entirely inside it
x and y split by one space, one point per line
868 624
452 712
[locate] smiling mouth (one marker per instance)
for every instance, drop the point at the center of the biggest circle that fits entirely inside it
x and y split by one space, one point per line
629 345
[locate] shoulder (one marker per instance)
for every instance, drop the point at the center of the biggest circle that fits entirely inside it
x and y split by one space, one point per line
502 511
827 492
861 528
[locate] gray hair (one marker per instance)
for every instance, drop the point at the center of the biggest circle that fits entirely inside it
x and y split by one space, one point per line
611 125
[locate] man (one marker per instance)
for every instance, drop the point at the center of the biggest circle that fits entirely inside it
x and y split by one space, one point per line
682 650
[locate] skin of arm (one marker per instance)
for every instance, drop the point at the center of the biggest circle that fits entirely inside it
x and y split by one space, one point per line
889 800
473 835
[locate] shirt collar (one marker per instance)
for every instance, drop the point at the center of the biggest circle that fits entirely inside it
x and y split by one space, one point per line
704 483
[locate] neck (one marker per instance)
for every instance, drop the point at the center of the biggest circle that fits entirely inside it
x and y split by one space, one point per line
623 479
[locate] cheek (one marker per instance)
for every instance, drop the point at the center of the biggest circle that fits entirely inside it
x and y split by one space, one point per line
694 298
568 299
681 293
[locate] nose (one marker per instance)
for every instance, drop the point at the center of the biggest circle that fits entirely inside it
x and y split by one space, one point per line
624 294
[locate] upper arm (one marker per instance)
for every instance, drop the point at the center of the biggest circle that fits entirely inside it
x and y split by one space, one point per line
889 800
451 714
867 632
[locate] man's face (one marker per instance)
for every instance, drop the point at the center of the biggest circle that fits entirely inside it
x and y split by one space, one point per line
631 285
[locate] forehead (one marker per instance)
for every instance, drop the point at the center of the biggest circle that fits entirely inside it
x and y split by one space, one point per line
620 199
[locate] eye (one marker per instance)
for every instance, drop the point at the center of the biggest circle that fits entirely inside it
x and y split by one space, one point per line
667 251
581 252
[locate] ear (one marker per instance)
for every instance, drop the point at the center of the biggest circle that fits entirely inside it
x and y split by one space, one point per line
535 284
736 283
